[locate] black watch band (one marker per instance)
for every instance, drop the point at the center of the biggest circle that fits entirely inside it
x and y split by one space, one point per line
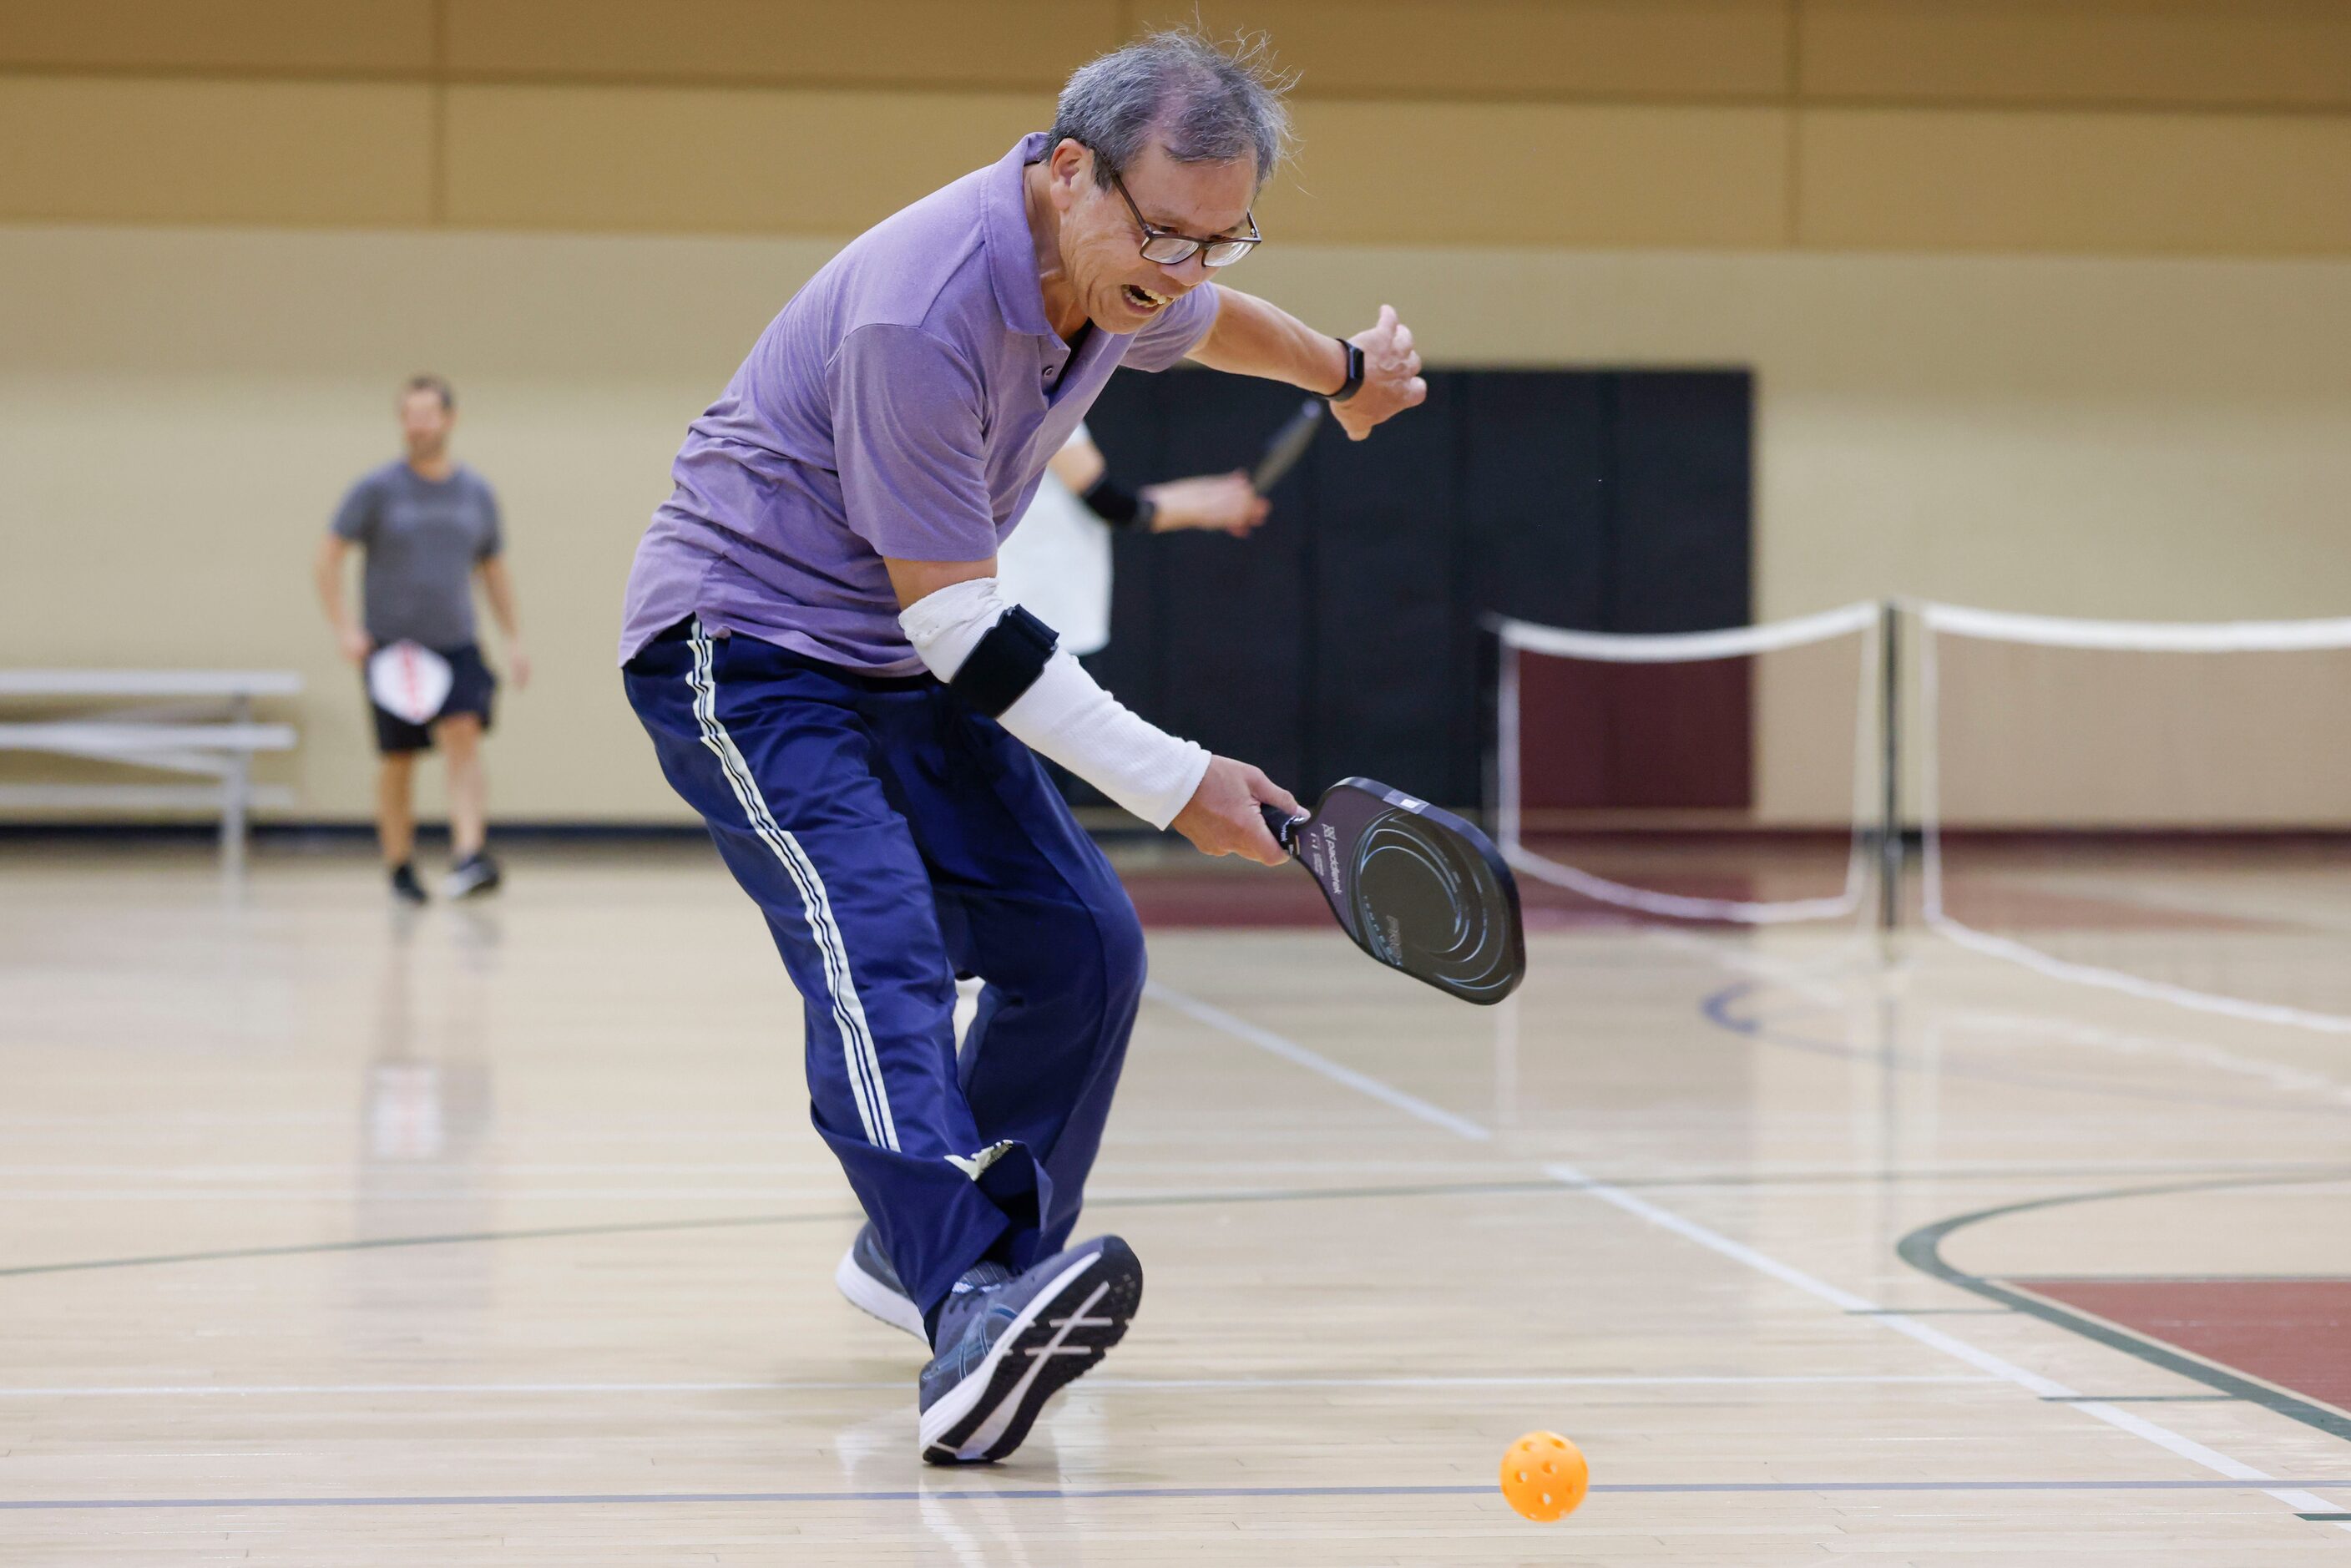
1354 372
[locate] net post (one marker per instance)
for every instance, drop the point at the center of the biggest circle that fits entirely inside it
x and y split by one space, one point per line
1889 720
1507 781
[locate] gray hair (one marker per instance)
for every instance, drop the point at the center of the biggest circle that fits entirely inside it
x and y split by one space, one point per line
1204 102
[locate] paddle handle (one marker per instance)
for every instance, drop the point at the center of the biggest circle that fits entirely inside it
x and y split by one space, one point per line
1282 826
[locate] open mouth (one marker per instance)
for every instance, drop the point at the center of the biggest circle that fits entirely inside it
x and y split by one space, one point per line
1142 300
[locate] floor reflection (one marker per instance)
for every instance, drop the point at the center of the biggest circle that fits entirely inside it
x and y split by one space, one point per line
426 1112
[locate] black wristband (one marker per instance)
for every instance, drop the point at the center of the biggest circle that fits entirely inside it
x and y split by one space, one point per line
1118 506
1354 372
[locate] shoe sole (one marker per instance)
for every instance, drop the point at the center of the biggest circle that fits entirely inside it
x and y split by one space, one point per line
871 1296
1057 1336
453 890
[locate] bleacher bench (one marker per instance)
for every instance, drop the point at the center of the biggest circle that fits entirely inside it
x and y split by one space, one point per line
195 723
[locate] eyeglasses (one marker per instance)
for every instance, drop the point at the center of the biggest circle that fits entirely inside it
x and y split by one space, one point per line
1169 248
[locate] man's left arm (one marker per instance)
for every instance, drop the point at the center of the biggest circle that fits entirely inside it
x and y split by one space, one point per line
490 560
498 589
1252 338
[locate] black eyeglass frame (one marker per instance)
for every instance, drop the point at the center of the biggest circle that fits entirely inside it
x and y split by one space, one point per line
1153 233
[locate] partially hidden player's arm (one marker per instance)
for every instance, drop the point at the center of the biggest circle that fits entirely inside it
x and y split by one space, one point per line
327 572
1252 338
1226 502
498 589
1002 660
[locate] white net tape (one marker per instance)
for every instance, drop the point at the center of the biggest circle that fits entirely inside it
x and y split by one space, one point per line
2132 636
2139 636
1630 648
1683 647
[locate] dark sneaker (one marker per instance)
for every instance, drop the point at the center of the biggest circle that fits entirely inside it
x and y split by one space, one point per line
404 886
867 1278
1004 1350
475 875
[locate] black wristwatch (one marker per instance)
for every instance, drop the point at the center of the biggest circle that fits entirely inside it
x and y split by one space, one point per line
1354 372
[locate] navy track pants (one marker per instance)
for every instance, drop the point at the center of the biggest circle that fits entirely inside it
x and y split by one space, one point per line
894 839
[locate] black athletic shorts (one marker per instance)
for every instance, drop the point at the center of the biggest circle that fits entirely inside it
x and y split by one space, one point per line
471 687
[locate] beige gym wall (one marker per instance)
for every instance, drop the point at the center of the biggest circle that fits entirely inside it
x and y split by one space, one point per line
2050 306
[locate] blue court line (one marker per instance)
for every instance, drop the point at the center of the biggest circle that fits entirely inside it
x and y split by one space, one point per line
1092 1494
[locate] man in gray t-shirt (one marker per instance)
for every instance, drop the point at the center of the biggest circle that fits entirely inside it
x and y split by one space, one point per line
427 525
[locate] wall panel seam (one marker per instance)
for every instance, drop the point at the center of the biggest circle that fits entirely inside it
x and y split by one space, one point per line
1935 104
1792 209
437 191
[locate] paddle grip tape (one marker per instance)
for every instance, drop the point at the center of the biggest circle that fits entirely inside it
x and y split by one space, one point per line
1282 826
1004 663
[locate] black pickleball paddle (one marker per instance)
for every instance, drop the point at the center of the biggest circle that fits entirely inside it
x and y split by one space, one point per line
1416 887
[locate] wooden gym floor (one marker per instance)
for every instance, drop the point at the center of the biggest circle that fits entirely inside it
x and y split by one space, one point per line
497 1235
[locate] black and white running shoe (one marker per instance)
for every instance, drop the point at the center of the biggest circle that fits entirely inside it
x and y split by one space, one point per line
1004 1349
404 886
475 875
871 1285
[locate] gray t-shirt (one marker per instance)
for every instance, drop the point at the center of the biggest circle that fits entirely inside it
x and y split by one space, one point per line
423 538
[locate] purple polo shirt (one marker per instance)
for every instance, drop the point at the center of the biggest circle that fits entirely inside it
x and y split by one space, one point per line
905 404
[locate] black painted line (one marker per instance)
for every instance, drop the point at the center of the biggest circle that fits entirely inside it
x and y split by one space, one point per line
1086 1494
2326 1518
657 1227
1166 1200
382 1243
1922 1250
2196 1279
2137 1398
1308 1194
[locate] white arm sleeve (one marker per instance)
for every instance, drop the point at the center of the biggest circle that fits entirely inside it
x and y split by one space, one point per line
1066 716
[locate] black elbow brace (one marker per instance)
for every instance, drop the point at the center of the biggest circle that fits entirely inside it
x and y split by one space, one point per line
1004 663
1118 506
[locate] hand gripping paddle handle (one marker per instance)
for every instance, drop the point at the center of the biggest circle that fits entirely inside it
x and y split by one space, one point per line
1282 826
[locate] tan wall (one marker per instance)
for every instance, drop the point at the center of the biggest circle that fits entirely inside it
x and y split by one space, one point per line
2049 305
2041 737
2194 127
179 410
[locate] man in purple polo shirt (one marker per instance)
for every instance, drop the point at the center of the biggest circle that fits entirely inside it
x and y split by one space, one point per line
817 644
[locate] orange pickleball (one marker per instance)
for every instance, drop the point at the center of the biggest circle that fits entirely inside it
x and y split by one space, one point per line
1545 1476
